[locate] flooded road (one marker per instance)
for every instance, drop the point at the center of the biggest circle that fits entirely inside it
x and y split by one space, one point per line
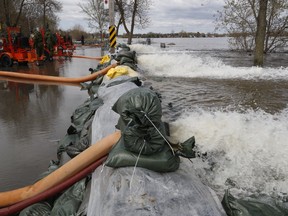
34 117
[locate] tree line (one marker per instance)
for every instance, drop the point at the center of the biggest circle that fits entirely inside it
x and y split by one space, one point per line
129 14
258 26
29 14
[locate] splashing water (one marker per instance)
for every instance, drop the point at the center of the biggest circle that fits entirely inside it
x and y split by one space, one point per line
246 148
247 151
192 66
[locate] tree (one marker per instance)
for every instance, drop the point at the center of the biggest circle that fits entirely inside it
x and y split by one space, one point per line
11 11
49 8
241 19
129 13
97 15
133 13
260 33
29 13
77 31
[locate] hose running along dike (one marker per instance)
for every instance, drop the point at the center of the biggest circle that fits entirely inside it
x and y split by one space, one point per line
40 82
87 57
66 171
36 77
6 211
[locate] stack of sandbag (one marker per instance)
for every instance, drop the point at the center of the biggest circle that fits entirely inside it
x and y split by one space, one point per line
143 142
134 188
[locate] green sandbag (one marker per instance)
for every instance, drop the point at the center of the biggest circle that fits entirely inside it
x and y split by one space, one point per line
65 142
126 60
84 112
163 161
251 207
68 203
146 140
131 65
37 209
126 54
185 149
123 46
140 121
134 104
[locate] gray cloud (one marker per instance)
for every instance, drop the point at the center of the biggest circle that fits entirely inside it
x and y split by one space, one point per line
166 16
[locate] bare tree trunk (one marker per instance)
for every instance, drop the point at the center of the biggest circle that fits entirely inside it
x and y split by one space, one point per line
7 14
131 13
20 12
122 15
135 7
260 34
44 14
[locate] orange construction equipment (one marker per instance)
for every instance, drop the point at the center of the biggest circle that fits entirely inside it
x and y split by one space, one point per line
16 48
64 46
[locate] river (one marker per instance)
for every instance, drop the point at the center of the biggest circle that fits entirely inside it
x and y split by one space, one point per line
238 113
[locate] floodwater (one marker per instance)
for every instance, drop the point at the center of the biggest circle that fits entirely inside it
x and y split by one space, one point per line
237 113
34 117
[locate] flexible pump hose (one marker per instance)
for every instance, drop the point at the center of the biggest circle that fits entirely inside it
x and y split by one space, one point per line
38 77
66 171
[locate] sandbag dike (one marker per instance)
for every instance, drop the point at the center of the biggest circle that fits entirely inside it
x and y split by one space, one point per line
144 174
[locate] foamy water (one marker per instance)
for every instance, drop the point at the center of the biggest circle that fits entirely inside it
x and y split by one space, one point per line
171 63
246 151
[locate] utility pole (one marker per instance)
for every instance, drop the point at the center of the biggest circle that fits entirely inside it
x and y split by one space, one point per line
112 28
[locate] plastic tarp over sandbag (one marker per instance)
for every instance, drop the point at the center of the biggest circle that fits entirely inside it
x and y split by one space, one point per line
105 118
116 192
122 192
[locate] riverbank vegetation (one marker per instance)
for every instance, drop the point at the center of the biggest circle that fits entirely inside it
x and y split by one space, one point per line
258 26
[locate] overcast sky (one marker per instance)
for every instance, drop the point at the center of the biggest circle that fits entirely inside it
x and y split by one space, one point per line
166 15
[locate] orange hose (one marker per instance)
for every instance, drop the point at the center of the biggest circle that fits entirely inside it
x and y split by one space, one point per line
28 81
58 79
87 57
12 209
75 165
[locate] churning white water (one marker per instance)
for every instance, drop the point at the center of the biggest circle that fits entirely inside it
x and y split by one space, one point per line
193 64
247 149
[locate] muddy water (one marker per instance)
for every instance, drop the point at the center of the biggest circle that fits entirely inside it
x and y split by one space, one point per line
34 117
180 95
